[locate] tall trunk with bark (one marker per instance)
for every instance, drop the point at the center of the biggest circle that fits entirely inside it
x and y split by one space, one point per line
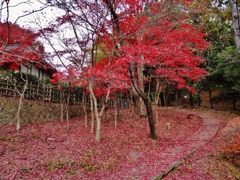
132 68
146 100
236 21
138 101
141 86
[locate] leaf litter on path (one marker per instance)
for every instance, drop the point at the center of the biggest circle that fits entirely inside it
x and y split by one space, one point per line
123 152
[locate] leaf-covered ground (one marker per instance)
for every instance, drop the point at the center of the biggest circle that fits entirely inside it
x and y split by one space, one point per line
49 151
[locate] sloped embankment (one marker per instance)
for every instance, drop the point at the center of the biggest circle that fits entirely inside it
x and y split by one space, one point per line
33 111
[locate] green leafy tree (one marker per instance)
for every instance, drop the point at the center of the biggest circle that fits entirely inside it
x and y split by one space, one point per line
215 17
229 74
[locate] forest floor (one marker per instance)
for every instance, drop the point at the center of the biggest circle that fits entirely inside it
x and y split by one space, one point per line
189 146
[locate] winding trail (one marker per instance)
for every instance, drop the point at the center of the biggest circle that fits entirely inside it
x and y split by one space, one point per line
170 159
205 134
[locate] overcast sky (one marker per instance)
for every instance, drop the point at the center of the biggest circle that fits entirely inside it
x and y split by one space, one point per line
20 12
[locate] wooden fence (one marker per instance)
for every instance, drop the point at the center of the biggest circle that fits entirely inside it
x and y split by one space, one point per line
50 93
39 91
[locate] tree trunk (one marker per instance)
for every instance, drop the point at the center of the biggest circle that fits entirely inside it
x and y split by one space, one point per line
191 100
176 96
131 106
61 103
20 105
105 113
146 100
166 96
157 93
67 110
138 101
115 112
210 97
199 99
236 22
84 104
18 114
92 112
141 87
156 98
97 114
98 118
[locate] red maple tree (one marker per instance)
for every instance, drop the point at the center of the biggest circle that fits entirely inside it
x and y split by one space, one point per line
155 38
132 35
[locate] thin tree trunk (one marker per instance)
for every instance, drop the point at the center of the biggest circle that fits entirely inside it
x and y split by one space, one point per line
92 112
176 96
157 93
67 110
84 104
61 103
149 88
191 99
18 113
105 114
97 114
199 99
210 97
18 126
165 97
131 106
156 98
115 112
236 22
98 118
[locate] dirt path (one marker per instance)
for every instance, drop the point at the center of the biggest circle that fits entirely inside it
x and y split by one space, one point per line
179 154
202 158
172 158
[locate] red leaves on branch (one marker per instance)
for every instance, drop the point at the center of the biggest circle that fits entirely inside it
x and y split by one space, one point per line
157 39
18 45
14 66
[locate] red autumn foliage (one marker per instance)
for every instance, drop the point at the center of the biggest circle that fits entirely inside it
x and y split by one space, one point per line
170 44
18 45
